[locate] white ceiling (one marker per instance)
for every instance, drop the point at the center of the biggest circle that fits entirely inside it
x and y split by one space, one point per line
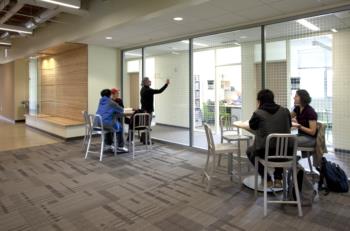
210 15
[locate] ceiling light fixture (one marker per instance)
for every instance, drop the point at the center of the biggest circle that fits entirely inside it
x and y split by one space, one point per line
237 44
62 4
15 29
5 44
109 38
195 43
308 24
334 30
133 54
243 37
178 19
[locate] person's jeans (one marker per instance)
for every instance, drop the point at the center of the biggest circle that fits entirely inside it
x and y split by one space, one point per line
109 136
252 153
306 141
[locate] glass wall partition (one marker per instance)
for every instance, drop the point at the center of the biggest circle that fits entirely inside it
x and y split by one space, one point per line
132 75
171 108
301 57
224 80
310 53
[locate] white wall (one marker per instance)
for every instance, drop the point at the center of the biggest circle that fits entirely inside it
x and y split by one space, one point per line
103 68
341 94
172 106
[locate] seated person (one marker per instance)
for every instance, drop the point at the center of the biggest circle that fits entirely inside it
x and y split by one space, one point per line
116 97
305 118
109 111
267 119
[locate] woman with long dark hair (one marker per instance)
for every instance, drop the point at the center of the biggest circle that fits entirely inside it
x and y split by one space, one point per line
305 119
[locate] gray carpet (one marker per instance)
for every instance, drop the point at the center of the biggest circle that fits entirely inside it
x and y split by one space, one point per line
52 187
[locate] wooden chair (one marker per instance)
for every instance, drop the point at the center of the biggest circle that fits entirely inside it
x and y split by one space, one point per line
214 150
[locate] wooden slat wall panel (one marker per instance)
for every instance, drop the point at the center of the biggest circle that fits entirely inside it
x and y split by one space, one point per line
64 78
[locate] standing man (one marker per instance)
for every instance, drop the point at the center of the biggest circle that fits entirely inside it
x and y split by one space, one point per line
147 95
147 98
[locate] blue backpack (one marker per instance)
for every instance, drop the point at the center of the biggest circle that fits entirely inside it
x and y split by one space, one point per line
335 177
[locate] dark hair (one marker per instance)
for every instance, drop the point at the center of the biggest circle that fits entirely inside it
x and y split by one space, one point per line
305 98
265 96
106 92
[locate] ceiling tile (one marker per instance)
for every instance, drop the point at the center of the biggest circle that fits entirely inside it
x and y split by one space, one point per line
260 12
236 5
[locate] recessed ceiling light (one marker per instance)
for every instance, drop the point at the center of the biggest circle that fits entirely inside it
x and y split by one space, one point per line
109 38
195 43
5 43
308 24
334 30
133 54
243 37
178 19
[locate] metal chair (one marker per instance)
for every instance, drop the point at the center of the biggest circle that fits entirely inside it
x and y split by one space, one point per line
96 127
230 133
140 122
87 129
280 159
214 150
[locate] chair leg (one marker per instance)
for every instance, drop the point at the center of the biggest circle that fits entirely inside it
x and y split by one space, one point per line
284 183
102 146
211 175
219 160
239 163
115 141
133 145
297 194
256 177
88 145
206 167
265 191
85 139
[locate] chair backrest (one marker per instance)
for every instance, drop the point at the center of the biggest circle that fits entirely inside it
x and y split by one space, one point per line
141 121
210 139
86 117
282 144
226 123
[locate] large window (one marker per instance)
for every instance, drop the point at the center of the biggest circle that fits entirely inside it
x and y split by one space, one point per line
310 53
171 108
224 80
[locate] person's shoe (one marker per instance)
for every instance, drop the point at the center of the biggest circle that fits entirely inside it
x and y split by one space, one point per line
122 149
278 183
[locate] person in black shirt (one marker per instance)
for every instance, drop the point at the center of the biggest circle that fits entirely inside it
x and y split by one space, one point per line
147 95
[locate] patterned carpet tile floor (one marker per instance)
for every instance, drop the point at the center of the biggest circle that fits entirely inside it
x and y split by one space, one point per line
53 187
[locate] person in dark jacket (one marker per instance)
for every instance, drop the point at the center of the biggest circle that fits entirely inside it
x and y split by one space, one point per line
110 111
147 94
267 119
